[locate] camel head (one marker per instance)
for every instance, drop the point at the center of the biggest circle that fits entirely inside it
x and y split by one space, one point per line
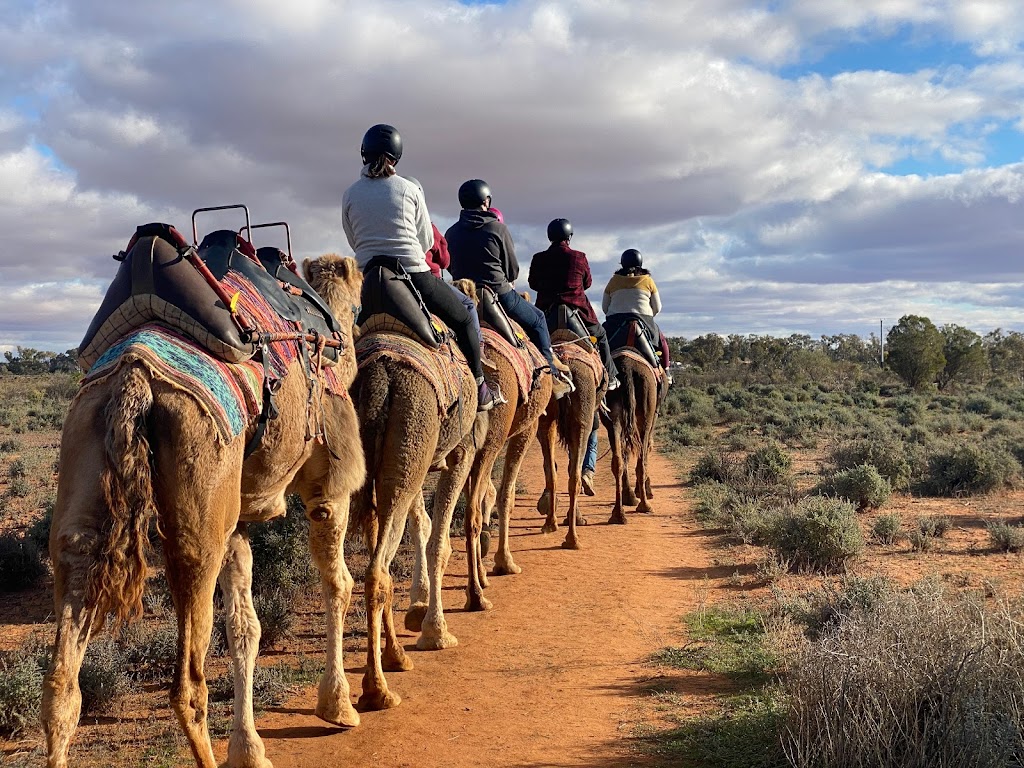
468 287
339 282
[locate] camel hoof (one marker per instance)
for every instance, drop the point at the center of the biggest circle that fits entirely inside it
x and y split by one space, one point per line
650 490
478 603
414 617
618 518
340 713
437 642
579 521
544 504
644 508
629 500
571 542
377 701
399 662
485 543
505 569
252 762
550 526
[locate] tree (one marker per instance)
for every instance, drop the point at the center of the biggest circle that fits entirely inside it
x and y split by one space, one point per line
706 350
915 350
1006 353
28 361
965 355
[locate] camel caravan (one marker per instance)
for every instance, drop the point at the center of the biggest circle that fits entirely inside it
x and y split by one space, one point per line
220 378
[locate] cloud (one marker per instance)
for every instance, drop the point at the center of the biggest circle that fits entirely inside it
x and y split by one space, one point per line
664 126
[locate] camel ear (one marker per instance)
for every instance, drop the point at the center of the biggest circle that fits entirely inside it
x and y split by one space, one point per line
468 287
308 265
348 269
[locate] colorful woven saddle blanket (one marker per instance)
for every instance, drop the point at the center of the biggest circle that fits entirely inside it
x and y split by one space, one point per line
567 351
229 393
444 367
526 361
632 354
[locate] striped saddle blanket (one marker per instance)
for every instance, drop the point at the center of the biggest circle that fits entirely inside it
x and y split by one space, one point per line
632 354
524 361
229 393
568 353
444 367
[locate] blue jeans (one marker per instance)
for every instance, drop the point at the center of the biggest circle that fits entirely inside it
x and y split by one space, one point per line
532 320
590 457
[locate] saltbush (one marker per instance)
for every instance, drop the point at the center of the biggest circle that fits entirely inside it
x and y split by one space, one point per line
21 692
886 528
968 468
280 551
818 533
884 454
104 677
862 485
1005 537
768 464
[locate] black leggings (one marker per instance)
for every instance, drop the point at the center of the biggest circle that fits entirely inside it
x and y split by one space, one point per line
597 331
440 300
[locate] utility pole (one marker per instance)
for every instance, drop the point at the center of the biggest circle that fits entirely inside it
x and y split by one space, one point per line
881 345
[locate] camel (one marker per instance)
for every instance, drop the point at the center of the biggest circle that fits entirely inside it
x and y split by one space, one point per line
513 423
133 447
630 425
570 419
405 435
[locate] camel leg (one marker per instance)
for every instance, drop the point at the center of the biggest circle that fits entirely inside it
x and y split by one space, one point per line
643 480
419 521
393 657
435 635
245 747
629 494
62 697
378 587
576 448
479 480
547 434
327 528
618 516
503 563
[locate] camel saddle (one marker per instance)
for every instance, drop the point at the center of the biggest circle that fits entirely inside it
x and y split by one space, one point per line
391 303
565 323
494 316
632 333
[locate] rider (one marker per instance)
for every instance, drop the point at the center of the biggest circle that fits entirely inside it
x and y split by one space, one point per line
482 251
561 275
632 294
386 215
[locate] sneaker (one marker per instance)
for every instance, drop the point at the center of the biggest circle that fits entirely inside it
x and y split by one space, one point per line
587 481
485 399
668 377
614 384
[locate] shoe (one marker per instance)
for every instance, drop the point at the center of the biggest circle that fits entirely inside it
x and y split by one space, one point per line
587 481
668 377
485 399
614 384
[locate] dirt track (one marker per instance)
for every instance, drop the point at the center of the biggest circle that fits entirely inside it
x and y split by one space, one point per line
554 675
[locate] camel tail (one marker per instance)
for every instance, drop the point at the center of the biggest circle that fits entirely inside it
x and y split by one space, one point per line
373 403
118 578
630 429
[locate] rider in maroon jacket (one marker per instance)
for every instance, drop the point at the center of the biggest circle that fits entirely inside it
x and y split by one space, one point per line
561 275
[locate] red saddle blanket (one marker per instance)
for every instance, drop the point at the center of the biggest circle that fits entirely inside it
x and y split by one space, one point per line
570 352
524 361
632 354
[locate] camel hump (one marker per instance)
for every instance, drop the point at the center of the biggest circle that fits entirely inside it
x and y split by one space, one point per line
392 303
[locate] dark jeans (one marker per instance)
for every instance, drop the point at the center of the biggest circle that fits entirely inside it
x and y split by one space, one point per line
613 321
440 300
531 318
597 330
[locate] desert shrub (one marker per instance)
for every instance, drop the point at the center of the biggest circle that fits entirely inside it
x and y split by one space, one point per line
104 677
862 485
714 465
63 387
819 609
934 525
19 488
817 533
149 649
276 614
678 433
11 445
768 464
39 531
968 468
886 528
698 410
920 678
271 683
713 498
280 551
21 565
17 469
1005 537
909 410
920 541
884 454
979 404
21 692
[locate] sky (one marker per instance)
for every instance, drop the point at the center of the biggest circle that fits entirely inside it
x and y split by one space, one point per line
784 166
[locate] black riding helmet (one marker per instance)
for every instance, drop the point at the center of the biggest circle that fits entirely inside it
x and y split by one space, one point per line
631 259
559 230
474 193
381 140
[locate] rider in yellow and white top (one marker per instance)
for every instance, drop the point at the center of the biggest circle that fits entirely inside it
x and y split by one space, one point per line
632 293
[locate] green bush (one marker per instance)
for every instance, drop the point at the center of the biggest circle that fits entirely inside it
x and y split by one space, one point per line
919 678
63 387
21 565
1005 537
934 525
920 541
10 445
276 614
862 485
768 464
21 692
820 609
886 528
150 650
968 468
280 552
818 533
884 454
104 677
715 465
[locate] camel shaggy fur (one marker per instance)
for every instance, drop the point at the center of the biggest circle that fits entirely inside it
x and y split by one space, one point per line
135 447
